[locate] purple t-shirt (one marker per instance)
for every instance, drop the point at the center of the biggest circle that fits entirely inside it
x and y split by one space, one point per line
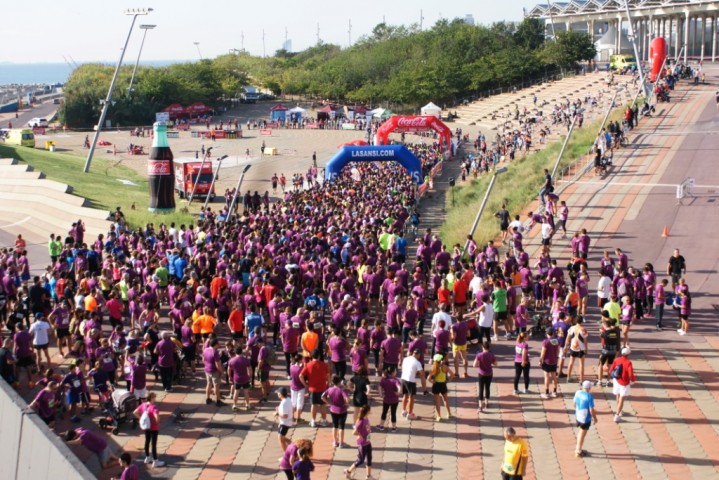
240 365
520 316
45 402
552 350
519 350
210 357
337 399
460 333
290 339
263 357
389 386
338 349
295 382
131 472
23 344
485 361
90 440
392 348
290 451
358 356
441 340
302 469
363 429
165 351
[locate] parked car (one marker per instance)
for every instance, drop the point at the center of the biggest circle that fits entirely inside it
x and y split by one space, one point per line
37 123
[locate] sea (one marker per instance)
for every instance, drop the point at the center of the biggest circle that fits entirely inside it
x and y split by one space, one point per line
52 73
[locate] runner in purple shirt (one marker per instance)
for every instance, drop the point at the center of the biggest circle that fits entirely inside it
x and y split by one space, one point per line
93 442
391 389
338 400
391 350
485 361
362 431
548 361
338 352
459 332
45 402
238 369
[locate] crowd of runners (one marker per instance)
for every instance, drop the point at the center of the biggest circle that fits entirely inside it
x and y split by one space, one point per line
320 293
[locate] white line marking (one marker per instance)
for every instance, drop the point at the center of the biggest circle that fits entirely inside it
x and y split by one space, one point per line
626 184
19 222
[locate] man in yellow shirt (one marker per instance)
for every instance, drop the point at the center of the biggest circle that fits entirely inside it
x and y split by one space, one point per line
613 308
516 455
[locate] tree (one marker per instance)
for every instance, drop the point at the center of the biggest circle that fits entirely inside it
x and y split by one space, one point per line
568 48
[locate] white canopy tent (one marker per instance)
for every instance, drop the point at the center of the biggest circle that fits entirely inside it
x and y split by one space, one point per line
297 109
431 109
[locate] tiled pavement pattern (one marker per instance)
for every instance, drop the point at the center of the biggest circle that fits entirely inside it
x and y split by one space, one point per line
671 420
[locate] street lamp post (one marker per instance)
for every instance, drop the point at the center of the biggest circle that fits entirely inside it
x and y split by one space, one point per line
108 100
497 172
214 178
137 62
237 191
197 44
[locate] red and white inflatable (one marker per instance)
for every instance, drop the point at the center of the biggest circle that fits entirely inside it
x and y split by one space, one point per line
414 124
658 53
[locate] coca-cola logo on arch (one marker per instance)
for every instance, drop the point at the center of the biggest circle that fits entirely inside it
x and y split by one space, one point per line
413 122
158 167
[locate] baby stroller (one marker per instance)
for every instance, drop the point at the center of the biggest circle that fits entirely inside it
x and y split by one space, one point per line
539 329
119 410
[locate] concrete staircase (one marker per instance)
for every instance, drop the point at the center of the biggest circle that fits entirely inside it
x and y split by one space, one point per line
35 207
491 113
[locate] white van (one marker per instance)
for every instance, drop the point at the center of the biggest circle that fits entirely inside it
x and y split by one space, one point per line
37 122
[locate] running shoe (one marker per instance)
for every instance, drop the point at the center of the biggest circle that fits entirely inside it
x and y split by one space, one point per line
438 418
515 392
543 396
158 464
380 428
404 413
412 416
554 394
617 418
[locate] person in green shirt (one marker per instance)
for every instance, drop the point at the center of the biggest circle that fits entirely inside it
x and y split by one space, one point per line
54 247
163 276
613 308
499 303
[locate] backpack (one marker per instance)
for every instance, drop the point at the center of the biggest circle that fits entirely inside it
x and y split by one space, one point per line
617 372
145 422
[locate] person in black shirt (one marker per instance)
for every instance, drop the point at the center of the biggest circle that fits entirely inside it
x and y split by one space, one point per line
503 216
676 267
546 187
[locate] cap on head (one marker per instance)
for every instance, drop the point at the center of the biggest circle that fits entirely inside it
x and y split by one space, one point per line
586 384
438 357
626 351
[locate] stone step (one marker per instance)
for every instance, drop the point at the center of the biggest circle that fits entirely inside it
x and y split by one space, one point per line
60 204
37 185
47 220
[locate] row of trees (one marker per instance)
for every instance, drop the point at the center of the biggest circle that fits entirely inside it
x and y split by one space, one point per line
397 64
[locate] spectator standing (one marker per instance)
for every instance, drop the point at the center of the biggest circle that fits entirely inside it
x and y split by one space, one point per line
315 377
585 415
152 433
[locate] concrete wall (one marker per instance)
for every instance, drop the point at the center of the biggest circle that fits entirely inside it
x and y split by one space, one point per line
29 450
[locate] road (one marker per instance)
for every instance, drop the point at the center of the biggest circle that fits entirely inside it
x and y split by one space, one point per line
42 110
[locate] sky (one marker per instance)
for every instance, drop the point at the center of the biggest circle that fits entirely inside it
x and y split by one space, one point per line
89 30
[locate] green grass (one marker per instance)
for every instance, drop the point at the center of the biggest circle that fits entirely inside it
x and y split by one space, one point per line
516 188
101 186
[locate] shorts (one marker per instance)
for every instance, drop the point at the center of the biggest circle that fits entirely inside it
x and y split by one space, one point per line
213 379
500 316
62 332
316 398
223 316
439 388
621 390
264 376
576 354
584 426
48 420
684 316
459 348
409 388
527 291
460 304
25 361
298 399
40 347
374 296
105 456
625 322
189 353
242 386
238 335
607 358
549 368
339 420
72 397
386 365
546 241
282 430
676 277
140 392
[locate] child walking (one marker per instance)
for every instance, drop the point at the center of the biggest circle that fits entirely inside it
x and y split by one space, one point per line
362 431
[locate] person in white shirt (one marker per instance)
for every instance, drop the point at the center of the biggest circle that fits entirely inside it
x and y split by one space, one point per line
603 289
441 315
486 317
547 232
40 331
283 412
411 366
475 285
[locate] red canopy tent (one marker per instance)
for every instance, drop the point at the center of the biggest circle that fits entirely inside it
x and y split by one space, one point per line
325 109
197 108
279 108
360 110
175 108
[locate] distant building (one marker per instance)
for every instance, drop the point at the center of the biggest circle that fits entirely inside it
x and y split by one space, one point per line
469 19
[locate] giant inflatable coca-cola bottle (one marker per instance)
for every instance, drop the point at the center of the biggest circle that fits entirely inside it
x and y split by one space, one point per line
160 171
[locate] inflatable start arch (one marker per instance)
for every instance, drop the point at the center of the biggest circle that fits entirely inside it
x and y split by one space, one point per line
382 153
413 124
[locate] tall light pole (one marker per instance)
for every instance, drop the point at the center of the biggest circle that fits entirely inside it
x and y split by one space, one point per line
497 171
214 179
197 44
137 62
237 191
106 103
